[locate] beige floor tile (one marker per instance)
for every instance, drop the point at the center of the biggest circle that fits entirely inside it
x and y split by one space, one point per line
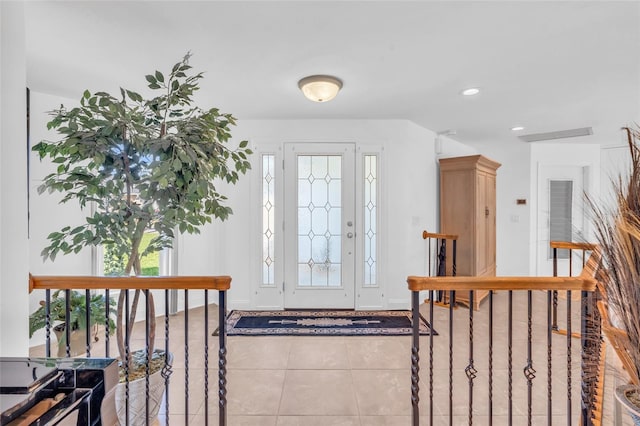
249 421
254 392
383 392
375 352
245 352
318 392
319 353
385 421
318 421
177 392
176 419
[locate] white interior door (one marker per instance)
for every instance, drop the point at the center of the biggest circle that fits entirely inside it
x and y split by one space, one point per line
319 228
560 213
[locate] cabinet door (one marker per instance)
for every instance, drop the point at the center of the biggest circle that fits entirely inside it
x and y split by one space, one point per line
481 224
485 224
457 217
490 221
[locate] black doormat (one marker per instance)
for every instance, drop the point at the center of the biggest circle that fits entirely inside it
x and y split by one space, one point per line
323 323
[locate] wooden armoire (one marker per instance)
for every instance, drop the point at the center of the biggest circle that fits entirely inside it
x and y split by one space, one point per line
468 209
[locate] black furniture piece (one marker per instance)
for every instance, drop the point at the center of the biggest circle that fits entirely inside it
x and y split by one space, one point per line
55 391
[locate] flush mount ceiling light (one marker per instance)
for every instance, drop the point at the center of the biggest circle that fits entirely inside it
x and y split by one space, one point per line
517 128
320 88
470 91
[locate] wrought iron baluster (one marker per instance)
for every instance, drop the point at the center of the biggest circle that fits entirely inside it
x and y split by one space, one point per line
569 331
549 356
453 260
47 321
490 357
571 262
429 256
148 355
87 319
415 357
529 371
222 358
510 358
452 302
127 354
441 270
554 326
186 356
107 318
67 321
431 362
206 357
166 371
471 370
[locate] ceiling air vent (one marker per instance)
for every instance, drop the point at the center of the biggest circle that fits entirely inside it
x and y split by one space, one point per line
560 134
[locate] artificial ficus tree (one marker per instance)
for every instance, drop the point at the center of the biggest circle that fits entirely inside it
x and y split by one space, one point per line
144 164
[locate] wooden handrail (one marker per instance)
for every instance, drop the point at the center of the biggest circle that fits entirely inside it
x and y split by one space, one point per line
501 283
584 282
128 283
572 246
426 235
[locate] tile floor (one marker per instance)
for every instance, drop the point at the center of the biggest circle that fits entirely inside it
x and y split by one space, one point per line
365 381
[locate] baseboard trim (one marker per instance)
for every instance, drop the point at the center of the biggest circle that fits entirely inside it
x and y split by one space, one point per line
242 305
393 304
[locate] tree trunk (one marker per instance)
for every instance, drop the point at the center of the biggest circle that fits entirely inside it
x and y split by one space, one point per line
133 264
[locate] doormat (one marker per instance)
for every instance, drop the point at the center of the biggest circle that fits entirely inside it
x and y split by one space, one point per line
322 323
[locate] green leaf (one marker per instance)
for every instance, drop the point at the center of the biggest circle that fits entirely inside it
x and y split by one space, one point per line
151 79
134 96
159 77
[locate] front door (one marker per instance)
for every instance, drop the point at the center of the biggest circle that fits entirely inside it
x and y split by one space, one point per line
319 228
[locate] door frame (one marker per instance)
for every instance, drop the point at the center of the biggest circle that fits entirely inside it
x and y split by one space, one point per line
545 173
271 296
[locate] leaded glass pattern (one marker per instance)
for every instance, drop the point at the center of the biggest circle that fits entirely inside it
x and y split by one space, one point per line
319 220
370 219
268 219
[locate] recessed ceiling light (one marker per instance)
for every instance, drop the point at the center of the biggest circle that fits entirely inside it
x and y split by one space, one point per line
470 91
517 128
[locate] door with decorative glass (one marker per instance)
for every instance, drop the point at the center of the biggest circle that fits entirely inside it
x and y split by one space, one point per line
319 228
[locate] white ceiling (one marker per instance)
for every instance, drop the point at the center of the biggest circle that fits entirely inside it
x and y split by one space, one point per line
544 65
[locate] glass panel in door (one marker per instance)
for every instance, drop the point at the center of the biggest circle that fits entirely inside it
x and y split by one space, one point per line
319 247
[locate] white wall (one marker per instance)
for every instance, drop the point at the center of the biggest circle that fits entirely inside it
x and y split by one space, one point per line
47 215
13 181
